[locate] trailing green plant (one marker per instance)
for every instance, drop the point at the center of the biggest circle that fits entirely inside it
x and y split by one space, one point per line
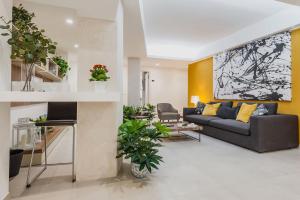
139 141
63 65
27 41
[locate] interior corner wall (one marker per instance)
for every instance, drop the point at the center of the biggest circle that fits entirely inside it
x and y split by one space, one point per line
5 80
5 62
134 81
200 79
168 85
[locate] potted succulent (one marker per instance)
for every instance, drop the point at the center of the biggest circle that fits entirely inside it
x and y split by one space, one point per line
99 77
139 141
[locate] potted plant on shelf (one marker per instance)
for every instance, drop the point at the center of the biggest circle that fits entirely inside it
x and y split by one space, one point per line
28 42
139 141
63 66
99 77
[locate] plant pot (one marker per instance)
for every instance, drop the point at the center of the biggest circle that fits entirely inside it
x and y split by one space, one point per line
100 86
135 170
15 160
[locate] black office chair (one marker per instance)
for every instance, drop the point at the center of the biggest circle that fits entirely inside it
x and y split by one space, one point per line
59 114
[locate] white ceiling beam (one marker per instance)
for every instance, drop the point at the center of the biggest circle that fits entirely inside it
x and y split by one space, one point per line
285 20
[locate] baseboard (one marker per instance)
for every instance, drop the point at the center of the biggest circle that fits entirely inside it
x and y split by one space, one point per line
7 197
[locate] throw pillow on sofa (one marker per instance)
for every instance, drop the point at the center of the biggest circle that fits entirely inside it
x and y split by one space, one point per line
260 110
200 107
227 112
211 109
246 112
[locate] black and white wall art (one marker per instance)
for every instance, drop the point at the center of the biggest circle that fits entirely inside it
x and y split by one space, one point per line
260 70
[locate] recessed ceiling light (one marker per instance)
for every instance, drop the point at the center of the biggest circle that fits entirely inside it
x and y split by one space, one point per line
69 21
76 46
157 64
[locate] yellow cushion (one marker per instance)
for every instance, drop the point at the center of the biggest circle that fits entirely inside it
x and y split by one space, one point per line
245 112
211 109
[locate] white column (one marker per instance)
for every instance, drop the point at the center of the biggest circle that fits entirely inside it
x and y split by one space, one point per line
5 80
134 81
96 141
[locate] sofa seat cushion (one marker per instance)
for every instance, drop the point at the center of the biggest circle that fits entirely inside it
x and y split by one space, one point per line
200 119
231 125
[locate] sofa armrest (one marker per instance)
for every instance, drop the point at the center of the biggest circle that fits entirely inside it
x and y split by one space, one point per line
189 111
274 132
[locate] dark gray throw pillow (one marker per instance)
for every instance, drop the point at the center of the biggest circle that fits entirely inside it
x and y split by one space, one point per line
227 112
200 107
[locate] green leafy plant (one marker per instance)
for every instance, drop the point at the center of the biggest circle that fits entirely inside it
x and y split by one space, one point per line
40 119
63 65
149 110
99 73
129 112
27 41
139 141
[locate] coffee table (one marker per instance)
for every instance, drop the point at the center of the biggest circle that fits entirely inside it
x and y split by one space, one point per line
180 128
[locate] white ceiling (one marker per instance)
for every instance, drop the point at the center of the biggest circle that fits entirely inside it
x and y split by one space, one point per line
84 31
99 9
179 29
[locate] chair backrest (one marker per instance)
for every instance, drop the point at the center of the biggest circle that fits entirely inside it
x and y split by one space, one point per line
62 111
164 107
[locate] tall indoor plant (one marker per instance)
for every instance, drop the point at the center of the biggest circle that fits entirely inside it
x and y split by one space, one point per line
27 41
139 141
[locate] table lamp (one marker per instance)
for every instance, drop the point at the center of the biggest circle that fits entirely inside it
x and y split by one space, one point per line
195 100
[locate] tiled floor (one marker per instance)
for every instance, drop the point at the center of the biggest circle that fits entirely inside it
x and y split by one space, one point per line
210 170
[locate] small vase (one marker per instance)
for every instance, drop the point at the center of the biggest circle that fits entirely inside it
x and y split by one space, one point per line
100 86
135 170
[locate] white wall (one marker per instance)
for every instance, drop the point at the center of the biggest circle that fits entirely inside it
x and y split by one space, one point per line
170 86
5 10
5 63
32 111
134 81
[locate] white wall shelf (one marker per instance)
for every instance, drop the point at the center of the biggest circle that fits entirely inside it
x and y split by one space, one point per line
59 97
43 70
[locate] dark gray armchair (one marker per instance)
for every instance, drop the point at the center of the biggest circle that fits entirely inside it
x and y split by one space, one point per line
167 112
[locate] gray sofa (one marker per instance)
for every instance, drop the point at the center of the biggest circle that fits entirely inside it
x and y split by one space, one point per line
270 132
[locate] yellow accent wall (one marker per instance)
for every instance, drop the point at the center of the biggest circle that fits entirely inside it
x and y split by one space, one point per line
200 80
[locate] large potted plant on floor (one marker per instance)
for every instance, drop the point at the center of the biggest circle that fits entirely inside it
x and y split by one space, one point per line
139 141
28 42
